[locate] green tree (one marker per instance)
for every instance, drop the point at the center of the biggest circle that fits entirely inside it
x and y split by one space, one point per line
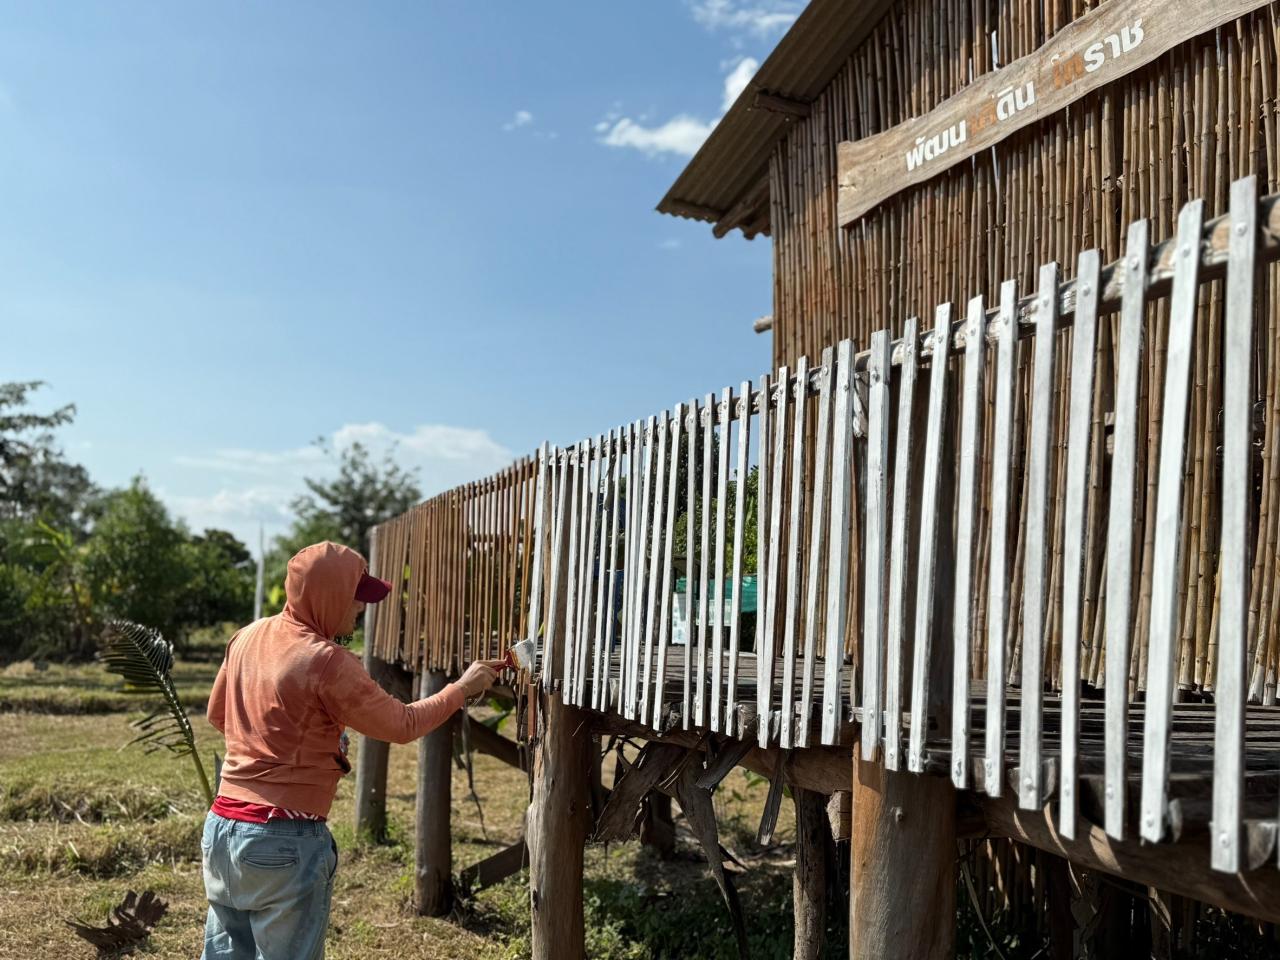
36 481
220 580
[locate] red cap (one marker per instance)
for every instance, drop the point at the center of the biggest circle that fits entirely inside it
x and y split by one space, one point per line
371 589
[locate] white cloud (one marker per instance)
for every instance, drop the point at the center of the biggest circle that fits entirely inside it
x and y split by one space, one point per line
737 80
760 19
682 134
671 243
257 486
523 118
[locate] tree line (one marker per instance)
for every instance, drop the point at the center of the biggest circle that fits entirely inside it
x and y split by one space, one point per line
74 555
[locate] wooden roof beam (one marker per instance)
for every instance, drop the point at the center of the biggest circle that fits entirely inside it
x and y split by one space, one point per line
788 107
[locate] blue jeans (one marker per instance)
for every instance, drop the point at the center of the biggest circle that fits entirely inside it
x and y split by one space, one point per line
269 886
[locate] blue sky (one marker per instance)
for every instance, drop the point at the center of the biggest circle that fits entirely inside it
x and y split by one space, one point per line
229 229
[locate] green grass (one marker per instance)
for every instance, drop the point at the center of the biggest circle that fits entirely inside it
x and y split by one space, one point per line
88 688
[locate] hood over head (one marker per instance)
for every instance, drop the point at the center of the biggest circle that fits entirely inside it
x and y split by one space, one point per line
321 584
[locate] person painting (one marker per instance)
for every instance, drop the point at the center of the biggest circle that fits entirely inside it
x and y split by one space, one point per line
283 696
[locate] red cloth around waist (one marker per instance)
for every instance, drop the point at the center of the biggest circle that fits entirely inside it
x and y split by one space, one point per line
257 812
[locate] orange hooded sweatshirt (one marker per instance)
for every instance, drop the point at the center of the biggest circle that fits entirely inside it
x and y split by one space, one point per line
286 690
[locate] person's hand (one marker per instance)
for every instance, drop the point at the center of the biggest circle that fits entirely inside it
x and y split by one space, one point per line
478 677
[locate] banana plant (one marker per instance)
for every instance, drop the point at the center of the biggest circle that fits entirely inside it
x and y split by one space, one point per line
145 659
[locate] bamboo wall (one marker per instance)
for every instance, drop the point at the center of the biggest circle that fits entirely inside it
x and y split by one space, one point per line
1185 126
459 573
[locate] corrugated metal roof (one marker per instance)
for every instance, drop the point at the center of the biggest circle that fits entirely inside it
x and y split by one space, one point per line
735 157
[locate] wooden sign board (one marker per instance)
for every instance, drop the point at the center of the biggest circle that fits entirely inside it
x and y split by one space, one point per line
1113 40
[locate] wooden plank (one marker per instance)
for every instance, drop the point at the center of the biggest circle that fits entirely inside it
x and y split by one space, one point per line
794 531
656 526
642 532
817 534
604 591
700 678
558 465
837 618
1096 49
603 699
691 454
1233 569
589 632
1120 525
539 535
927 548
877 507
765 651
664 636
630 565
1083 348
898 549
739 538
763 489
966 508
1035 602
576 485
722 513
494 868
1164 626
997 576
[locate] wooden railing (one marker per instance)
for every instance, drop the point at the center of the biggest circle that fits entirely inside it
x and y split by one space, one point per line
926 537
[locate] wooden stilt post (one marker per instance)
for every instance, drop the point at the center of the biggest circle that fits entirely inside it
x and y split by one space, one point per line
557 825
902 886
433 850
809 884
371 756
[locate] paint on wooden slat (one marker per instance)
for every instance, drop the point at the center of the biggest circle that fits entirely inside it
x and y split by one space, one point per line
574 483
691 421
1164 625
877 507
539 532
927 548
817 535
1119 621
997 578
1233 565
631 568
608 559
837 617
1079 419
966 508
762 543
787 729
898 549
700 677
594 572
656 525
664 635
641 604
722 512
765 652
739 538
558 465
1035 603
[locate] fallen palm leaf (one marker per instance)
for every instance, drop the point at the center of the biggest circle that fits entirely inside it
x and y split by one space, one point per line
127 926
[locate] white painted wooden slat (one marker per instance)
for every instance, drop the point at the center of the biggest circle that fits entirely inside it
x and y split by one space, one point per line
927 549
998 576
837 618
691 420
1120 527
642 545
1084 338
559 459
739 538
722 512
794 538
899 549
1035 603
762 546
704 565
657 527
664 634
627 521
633 571
765 653
600 698
586 632
539 532
1164 625
817 536
1233 567
877 507
573 483
966 509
